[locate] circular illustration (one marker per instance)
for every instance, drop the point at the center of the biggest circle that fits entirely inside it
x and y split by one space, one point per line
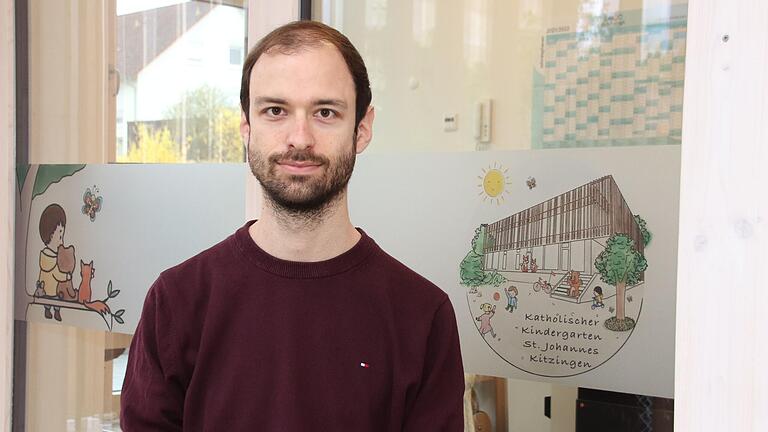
556 289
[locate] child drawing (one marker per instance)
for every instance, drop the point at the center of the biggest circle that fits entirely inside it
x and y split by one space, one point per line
485 319
575 284
534 265
53 222
597 298
525 264
511 293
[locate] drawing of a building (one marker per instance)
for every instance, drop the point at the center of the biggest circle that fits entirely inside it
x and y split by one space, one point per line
562 235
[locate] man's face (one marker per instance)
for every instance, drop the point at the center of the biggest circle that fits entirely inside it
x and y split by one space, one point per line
301 136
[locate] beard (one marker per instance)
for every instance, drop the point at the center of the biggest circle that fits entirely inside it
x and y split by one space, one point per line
306 197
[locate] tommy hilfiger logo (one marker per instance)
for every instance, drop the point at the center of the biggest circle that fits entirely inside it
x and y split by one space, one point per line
365 365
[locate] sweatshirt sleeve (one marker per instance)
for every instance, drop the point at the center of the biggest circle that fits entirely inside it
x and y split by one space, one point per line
439 403
153 393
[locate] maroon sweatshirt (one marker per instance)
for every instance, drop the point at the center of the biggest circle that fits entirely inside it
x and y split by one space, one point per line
235 339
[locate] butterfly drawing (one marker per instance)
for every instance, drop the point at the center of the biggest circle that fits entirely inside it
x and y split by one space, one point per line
531 182
91 204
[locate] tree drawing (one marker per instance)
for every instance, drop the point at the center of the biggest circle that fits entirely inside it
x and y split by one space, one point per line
644 230
471 268
620 264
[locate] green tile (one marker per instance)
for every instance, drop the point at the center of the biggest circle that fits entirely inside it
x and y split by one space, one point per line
623 74
621 121
623 98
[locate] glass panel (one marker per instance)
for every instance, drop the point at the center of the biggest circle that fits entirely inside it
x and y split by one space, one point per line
576 73
115 80
179 67
526 75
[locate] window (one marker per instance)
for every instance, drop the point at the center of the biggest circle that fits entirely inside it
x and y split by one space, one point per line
179 92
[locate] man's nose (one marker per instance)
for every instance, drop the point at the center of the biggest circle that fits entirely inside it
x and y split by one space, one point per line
301 135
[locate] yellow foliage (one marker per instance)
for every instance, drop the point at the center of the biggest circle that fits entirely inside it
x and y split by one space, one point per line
227 132
153 147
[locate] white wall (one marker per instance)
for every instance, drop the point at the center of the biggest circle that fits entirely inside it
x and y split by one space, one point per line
525 406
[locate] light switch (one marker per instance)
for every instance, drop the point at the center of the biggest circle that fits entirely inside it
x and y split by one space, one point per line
450 122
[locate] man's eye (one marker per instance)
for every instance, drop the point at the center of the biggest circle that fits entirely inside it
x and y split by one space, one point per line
275 111
326 113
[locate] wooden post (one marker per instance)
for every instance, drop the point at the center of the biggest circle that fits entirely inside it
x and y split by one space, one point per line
721 382
7 212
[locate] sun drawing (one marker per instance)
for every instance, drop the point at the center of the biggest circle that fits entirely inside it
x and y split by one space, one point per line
493 183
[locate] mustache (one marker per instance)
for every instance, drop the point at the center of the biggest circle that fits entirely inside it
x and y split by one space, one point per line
298 156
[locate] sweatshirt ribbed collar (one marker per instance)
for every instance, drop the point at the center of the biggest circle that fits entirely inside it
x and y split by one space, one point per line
302 270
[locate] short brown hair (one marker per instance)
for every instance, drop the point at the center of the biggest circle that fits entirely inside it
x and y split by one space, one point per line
52 216
292 37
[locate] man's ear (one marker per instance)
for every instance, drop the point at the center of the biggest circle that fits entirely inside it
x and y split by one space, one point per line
245 127
365 131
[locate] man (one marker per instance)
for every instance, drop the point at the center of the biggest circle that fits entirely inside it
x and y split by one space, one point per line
298 321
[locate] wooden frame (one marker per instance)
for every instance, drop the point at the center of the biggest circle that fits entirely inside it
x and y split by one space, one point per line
7 204
721 382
